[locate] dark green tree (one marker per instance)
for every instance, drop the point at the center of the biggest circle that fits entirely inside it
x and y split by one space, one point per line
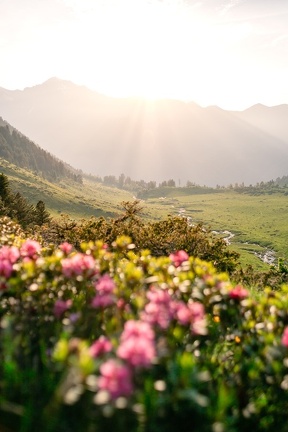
42 216
5 192
22 210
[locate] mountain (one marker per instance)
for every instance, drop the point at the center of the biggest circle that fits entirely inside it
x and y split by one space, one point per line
151 140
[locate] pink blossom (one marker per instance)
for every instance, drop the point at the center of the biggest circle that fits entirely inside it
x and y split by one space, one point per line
105 284
100 346
6 268
30 248
78 265
66 248
61 306
238 293
121 304
284 339
137 345
159 311
102 301
116 379
197 311
182 313
10 254
137 351
137 329
179 257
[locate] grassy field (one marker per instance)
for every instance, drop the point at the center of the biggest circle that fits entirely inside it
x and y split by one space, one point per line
67 196
258 223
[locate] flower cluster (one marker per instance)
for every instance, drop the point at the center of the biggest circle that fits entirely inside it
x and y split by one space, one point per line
105 287
78 265
137 344
115 378
8 256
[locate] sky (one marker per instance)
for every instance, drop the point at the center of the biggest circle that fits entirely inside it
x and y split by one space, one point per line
230 53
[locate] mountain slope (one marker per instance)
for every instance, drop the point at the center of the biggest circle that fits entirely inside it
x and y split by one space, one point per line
150 140
66 197
19 150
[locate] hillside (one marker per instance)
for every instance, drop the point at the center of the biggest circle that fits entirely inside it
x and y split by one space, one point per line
20 151
66 197
151 140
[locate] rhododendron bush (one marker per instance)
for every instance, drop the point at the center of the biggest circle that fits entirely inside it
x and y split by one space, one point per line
109 339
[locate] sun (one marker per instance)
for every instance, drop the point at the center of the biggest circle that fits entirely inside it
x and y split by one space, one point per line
152 50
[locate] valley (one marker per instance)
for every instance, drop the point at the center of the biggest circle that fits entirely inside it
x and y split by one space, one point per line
258 222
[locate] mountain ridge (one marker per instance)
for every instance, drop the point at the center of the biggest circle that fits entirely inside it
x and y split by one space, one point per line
151 139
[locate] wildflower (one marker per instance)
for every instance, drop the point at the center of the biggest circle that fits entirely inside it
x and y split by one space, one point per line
179 257
78 264
100 346
182 313
159 310
116 379
61 306
137 345
102 300
105 285
284 339
66 248
238 293
30 248
10 254
197 310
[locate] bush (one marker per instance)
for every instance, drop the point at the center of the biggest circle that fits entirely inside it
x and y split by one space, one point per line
109 338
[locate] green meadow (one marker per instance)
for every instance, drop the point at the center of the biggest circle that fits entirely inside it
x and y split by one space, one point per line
258 223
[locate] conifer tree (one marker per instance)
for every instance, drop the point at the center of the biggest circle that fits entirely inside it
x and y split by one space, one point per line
42 216
5 192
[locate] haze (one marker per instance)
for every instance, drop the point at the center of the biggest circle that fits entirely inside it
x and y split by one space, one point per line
230 53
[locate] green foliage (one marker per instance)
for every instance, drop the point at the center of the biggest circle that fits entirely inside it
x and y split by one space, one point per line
216 359
161 238
15 206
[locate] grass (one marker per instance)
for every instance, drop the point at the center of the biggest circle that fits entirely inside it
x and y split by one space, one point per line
259 223
68 197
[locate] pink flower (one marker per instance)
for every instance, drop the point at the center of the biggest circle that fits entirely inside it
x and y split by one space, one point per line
159 310
78 265
61 306
102 301
197 311
137 345
66 248
10 254
137 329
100 346
182 313
284 339
30 248
116 379
238 293
179 257
6 268
105 285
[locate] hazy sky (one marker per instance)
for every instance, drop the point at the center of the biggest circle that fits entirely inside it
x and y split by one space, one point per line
231 53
